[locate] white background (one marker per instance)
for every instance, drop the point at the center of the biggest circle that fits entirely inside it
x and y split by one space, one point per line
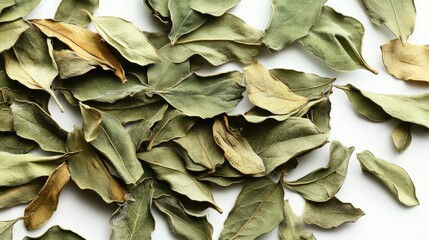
86 214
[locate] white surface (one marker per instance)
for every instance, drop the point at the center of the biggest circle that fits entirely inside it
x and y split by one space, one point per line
86 214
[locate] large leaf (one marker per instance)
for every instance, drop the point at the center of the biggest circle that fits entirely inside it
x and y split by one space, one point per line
169 167
85 43
10 32
6 228
31 63
398 15
89 172
181 222
401 136
290 20
257 210
322 184
337 40
40 210
213 7
18 10
12 143
291 227
110 138
55 233
133 220
406 61
31 122
278 142
330 214
11 196
70 11
395 178
267 92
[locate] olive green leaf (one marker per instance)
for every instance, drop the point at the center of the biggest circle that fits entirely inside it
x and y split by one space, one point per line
31 122
113 142
181 222
18 10
215 8
86 44
365 105
6 3
206 96
201 147
267 92
173 125
290 20
238 41
184 19
6 118
55 233
31 62
320 115
236 149
6 228
134 45
399 16
12 143
169 167
10 32
278 142
167 74
406 61
395 178
337 40
330 214
71 65
322 184
257 210
88 171
40 210
70 11
133 220
401 136
291 226
11 196
159 9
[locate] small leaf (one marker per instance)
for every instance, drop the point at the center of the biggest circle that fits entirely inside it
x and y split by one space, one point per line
330 214
395 178
11 196
71 65
320 115
6 228
18 10
291 227
159 9
257 210
401 136
10 33
55 233
70 11
6 118
213 7
40 210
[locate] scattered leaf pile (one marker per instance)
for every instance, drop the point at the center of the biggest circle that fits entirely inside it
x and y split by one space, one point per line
156 134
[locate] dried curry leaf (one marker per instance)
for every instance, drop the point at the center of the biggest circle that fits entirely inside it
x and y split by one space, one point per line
6 118
330 214
10 33
291 226
215 8
6 228
257 210
11 196
18 10
70 11
395 178
71 65
12 143
337 40
40 210
159 9
56 232
6 3
401 136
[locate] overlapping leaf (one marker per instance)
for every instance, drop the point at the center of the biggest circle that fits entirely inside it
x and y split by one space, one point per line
11 196
291 226
56 232
71 65
19 9
6 228
70 11
10 32
12 143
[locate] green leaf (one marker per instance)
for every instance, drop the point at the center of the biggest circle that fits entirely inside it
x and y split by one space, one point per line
236 149
337 40
169 167
11 196
167 74
6 228
18 10
291 227
399 16
55 233
159 9
134 45
71 65
70 11
330 214
401 136
31 122
257 210
213 7
12 143
10 32
6 118
6 3
133 220
322 184
113 142
395 178
278 142
290 20
181 222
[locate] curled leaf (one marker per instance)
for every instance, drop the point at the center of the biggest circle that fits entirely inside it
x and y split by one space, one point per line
401 136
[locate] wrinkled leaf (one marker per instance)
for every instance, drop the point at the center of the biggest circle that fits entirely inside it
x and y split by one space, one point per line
330 214
12 143
257 210
213 7
6 228
71 65
291 227
290 20
18 10
6 3
320 115
84 43
55 233
322 184
401 136
236 149
6 118
399 16
133 220
11 196
337 40
159 9
10 32
40 210
395 178
70 11
267 92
